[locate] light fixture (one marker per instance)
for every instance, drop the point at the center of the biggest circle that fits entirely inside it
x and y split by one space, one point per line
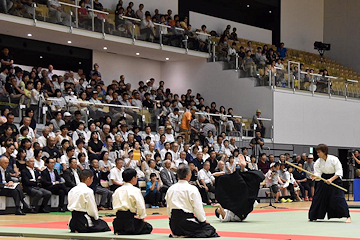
105 48
79 63
41 56
137 54
167 59
248 5
270 11
69 41
29 35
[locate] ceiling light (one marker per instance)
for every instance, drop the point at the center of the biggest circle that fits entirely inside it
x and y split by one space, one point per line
137 54
248 5
269 11
167 59
79 62
105 48
41 56
29 35
69 41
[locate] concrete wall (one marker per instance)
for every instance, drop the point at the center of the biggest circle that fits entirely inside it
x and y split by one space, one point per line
306 120
162 5
219 25
222 86
302 23
135 69
342 32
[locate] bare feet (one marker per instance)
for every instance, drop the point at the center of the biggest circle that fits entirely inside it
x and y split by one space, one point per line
348 220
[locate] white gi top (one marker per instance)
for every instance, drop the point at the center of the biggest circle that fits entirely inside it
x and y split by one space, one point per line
186 197
229 217
115 174
81 198
130 198
332 165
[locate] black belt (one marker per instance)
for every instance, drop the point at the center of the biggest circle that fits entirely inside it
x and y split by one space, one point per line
178 213
125 214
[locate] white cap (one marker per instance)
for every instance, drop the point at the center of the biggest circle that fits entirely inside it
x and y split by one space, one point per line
272 164
310 156
67 114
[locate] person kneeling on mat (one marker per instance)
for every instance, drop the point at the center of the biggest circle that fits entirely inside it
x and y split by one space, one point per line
183 204
128 201
81 203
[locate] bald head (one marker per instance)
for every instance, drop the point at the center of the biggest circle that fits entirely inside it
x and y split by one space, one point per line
4 162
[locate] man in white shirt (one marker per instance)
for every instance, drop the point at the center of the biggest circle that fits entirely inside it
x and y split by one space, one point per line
148 133
185 209
181 160
169 136
128 202
165 150
206 179
81 203
152 165
115 176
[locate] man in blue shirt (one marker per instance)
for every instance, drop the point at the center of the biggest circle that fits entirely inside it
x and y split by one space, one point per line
282 51
160 145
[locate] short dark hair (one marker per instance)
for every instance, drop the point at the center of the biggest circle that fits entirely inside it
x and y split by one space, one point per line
152 175
182 171
323 148
86 173
69 149
128 174
72 158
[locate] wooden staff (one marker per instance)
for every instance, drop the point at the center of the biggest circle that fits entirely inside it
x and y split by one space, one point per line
310 173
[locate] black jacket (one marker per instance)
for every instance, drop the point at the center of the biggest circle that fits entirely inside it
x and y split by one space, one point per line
96 180
69 177
26 177
46 179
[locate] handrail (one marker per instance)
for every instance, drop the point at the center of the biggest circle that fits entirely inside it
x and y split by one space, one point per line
163 25
213 114
70 5
264 119
102 104
98 11
205 34
130 18
351 81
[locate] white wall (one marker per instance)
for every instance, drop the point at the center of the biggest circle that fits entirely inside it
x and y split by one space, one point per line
307 120
219 25
302 23
134 69
218 85
149 5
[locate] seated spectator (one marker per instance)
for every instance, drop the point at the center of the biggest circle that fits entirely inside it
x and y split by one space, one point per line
301 180
147 27
10 189
169 136
252 165
230 166
57 13
30 178
95 145
106 194
263 164
72 174
57 121
203 39
206 179
167 176
65 159
153 195
249 64
50 180
39 164
51 150
134 164
233 35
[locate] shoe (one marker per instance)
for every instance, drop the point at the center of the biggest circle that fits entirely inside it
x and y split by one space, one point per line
19 212
306 199
153 206
61 210
101 208
110 208
289 200
283 200
43 210
310 198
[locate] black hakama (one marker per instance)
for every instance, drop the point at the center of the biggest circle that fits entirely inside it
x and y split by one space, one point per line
125 223
238 191
328 199
187 225
83 223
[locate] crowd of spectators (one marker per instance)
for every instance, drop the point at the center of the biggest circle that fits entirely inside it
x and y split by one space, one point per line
112 139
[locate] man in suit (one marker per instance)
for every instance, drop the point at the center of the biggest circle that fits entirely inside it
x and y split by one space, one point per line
106 194
50 180
167 176
7 187
30 178
72 174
